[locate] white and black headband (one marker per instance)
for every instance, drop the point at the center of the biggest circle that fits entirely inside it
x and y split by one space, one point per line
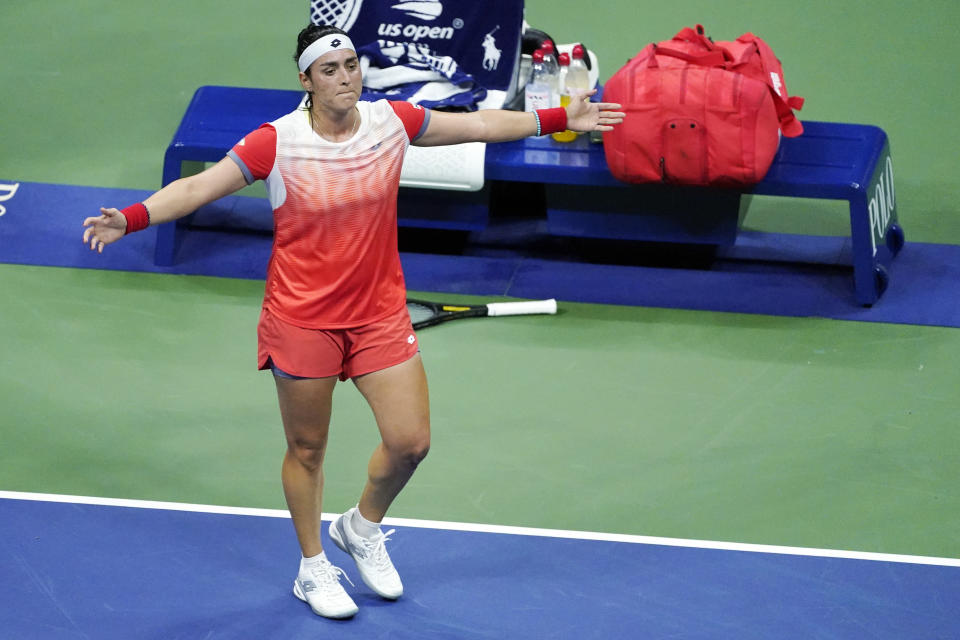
326 44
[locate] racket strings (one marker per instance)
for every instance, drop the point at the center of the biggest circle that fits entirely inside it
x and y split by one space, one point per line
419 312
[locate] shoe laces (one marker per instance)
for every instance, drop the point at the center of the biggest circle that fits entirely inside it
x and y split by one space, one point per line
328 575
377 548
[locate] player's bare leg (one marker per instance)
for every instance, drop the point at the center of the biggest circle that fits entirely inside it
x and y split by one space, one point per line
305 410
400 402
399 399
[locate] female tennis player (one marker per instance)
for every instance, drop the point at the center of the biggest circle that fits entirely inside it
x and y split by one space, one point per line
334 302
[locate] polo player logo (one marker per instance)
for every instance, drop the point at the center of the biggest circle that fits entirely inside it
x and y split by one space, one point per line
491 54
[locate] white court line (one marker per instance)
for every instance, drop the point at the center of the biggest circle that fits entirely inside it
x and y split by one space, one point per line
496 528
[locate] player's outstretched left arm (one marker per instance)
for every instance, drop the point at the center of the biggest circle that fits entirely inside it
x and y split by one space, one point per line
175 200
498 125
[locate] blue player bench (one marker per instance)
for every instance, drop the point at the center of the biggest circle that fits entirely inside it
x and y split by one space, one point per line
829 161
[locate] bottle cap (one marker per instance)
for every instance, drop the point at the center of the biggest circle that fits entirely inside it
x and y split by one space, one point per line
538 55
547 46
578 52
564 60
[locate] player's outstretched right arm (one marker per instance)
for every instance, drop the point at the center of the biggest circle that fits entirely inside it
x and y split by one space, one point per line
175 200
498 125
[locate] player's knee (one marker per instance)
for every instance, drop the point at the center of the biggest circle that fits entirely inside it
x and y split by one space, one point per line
307 451
417 453
412 452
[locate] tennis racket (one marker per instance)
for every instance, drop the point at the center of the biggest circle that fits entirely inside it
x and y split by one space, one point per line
424 313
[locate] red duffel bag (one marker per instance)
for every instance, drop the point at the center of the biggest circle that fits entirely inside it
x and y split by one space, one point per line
699 112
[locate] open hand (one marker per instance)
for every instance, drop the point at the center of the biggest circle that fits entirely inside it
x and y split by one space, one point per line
109 226
584 116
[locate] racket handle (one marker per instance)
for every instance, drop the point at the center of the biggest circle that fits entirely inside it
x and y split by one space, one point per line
522 308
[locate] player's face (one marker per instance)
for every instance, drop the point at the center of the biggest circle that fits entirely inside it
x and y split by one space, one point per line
335 80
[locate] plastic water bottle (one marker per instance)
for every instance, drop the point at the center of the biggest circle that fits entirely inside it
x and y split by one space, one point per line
537 93
578 76
553 71
576 82
566 135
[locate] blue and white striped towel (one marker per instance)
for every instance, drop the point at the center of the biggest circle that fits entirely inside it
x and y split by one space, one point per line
413 72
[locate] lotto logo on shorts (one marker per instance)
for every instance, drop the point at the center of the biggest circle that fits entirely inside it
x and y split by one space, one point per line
411 339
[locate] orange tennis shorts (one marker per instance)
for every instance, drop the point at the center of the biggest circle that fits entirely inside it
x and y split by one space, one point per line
347 353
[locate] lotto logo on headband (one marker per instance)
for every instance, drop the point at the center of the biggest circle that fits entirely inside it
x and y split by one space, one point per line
326 44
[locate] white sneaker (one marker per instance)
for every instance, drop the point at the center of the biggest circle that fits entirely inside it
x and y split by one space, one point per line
370 554
319 586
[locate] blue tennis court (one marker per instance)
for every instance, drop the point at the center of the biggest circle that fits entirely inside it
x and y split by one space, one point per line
81 568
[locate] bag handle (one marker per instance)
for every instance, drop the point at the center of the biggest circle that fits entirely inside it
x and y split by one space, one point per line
695 36
713 58
785 104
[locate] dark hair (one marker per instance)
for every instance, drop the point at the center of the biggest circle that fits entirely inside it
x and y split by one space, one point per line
309 35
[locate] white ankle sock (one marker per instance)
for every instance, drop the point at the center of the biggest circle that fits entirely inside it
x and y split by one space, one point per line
313 561
363 526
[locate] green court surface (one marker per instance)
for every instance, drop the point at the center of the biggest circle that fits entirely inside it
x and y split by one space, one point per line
786 431
760 429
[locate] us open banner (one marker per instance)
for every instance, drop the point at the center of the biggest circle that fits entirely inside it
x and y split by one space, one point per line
485 43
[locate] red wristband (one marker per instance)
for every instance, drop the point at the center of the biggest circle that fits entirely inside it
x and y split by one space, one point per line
137 216
552 120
